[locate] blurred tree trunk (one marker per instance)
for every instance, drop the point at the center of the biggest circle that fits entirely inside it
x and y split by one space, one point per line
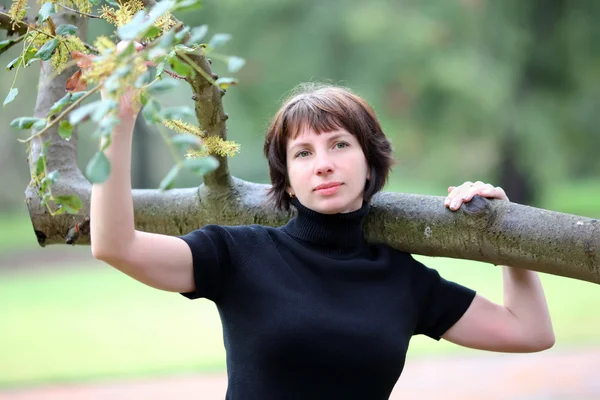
544 68
142 149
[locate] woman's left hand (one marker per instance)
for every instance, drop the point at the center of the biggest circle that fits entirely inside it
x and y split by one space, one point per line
465 192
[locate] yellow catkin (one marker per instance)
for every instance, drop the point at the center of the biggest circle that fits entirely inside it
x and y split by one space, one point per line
17 11
180 126
124 14
216 146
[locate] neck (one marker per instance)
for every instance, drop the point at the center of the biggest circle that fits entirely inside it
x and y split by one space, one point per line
340 233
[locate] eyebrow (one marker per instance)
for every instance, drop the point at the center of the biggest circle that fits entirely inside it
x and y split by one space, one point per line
331 139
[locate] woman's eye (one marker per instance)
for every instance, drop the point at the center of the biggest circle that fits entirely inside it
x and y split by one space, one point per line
301 154
341 145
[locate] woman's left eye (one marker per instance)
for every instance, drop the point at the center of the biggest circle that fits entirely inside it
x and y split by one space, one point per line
341 145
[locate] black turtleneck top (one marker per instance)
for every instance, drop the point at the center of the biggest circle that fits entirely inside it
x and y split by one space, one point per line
310 310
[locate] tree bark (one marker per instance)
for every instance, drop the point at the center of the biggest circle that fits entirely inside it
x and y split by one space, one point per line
490 231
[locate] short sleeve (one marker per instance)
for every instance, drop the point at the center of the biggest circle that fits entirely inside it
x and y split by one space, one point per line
211 259
441 302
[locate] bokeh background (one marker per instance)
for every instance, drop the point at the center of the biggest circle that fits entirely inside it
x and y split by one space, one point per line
504 92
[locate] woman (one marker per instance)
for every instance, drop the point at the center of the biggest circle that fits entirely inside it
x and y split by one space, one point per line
310 309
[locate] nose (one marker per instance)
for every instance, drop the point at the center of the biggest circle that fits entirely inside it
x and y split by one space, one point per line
324 165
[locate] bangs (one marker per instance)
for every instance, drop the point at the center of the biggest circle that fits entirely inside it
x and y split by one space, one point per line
313 115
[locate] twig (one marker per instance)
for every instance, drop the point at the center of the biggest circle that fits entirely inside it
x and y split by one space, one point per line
78 12
197 68
51 124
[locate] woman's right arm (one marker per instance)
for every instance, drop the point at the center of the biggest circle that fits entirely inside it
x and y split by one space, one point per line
160 261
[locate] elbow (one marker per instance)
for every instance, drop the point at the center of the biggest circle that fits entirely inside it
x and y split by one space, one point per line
542 342
105 253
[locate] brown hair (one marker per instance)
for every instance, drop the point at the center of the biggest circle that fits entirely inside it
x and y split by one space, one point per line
325 108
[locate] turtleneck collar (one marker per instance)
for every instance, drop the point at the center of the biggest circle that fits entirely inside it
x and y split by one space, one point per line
335 234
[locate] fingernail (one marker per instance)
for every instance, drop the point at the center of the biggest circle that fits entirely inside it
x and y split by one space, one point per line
454 204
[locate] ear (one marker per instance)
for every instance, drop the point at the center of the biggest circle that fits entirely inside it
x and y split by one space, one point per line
290 191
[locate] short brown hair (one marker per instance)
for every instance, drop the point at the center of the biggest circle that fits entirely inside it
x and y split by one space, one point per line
325 108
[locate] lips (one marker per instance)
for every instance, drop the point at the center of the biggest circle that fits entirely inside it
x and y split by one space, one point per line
327 185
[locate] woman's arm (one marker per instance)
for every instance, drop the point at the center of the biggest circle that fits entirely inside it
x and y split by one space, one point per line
523 323
160 261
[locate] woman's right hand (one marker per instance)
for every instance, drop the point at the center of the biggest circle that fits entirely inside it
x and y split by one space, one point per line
129 103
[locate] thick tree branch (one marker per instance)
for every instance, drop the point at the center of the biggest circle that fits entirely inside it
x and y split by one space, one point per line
209 112
490 231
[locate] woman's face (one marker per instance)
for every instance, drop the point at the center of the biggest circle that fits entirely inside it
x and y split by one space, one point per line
327 171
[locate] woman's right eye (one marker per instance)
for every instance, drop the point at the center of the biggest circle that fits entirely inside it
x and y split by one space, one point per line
302 154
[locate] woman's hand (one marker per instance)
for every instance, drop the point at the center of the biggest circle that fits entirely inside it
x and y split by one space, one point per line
129 103
465 192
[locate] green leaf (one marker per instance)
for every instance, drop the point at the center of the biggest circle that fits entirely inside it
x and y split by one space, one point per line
60 104
13 63
46 11
224 83
25 122
45 52
201 165
53 176
167 40
78 115
65 130
159 9
177 112
133 28
11 96
39 164
234 64
6 44
98 169
180 67
66 29
39 125
185 140
188 5
151 111
181 34
71 204
219 39
152 32
197 34
107 124
161 86
70 97
169 180
103 108
160 68
143 79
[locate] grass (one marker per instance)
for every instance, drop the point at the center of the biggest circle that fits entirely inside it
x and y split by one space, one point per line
94 322
16 232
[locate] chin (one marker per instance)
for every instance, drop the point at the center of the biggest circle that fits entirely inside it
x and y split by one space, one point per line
333 206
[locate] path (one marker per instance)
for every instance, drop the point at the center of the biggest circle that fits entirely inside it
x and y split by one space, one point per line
550 375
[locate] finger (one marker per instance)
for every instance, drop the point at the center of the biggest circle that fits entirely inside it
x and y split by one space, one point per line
123 44
454 192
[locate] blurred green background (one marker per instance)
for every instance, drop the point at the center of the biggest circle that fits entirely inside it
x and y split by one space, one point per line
504 92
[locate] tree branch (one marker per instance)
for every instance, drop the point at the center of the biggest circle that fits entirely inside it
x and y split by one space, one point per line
6 23
494 231
209 112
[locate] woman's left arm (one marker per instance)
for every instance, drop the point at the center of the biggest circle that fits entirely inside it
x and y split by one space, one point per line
523 323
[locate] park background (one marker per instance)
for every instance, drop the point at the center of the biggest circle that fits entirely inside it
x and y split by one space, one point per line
504 92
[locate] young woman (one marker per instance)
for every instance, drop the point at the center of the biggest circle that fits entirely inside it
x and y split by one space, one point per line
310 310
